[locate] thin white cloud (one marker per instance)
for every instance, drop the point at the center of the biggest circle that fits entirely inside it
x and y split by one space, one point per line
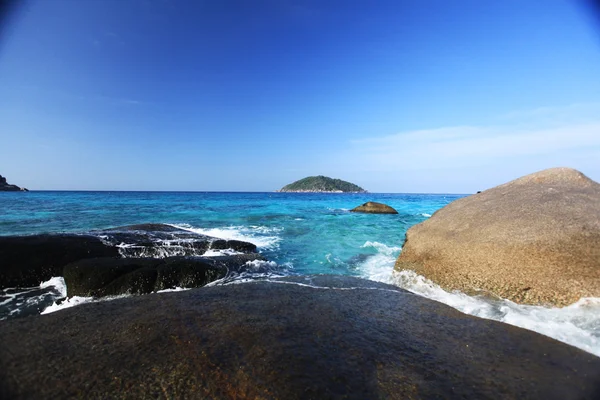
468 146
463 159
575 111
463 146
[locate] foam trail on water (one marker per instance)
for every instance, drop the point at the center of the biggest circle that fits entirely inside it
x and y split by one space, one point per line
378 267
262 236
58 282
577 324
224 252
68 303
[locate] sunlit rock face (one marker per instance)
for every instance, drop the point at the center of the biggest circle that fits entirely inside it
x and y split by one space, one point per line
534 240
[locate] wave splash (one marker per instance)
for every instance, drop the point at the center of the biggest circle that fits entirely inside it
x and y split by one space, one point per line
21 302
263 237
577 324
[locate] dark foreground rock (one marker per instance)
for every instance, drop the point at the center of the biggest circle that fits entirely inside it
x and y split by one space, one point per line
280 340
28 260
372 207
533 240
7 187
114 276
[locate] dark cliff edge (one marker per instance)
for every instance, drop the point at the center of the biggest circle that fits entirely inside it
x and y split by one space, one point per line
7 187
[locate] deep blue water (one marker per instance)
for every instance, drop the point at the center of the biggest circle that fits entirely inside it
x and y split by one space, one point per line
305 232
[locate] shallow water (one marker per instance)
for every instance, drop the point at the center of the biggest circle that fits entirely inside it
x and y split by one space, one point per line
300 233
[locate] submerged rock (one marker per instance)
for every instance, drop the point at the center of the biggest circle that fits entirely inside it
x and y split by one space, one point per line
374 208
114 276
294 338
534 240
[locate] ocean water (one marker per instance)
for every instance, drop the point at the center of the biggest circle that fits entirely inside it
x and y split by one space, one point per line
299 233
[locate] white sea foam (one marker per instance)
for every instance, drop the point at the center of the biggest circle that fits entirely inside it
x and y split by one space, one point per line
223 252
263 237
165 248
426 215
255 270
176 289
258 264
577 324
378 266
68 303
58 282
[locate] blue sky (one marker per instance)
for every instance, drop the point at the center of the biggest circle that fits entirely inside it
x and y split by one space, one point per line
396 96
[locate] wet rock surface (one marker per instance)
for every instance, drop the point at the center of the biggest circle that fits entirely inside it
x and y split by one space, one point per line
159 240
100 277
29 260
292 338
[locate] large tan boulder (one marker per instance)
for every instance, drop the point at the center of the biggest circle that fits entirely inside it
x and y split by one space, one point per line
534 240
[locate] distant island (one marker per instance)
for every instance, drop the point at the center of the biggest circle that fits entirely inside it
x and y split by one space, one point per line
322 184
6 187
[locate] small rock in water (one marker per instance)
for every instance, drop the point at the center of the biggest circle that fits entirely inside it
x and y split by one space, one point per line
372 207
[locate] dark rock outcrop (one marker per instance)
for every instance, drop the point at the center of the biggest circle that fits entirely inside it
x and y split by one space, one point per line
6 187
28 260
114 276
278 340
160 240
372 207
534 240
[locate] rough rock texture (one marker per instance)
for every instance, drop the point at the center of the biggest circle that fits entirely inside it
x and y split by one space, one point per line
272 340
114 276
534 240
160 240
374 208
6 187
28 260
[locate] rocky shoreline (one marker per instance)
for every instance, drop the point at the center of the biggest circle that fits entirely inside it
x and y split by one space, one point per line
7 187
293 338
130 259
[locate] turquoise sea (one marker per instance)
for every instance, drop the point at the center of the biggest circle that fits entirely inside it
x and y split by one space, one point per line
305 232
300 233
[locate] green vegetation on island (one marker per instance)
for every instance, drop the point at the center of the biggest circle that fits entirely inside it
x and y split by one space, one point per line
322 184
